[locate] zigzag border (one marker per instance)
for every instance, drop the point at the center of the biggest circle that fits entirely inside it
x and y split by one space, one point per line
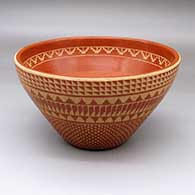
146 56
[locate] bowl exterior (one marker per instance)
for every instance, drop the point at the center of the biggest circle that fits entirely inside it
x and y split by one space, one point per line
96 115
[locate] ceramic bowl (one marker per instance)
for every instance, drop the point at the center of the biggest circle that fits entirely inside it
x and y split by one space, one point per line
96 91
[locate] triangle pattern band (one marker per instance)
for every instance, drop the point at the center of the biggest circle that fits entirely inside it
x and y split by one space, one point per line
96 101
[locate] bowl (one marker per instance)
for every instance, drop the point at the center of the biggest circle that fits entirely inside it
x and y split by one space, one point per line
96 91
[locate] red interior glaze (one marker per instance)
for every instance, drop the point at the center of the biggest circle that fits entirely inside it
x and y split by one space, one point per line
96 65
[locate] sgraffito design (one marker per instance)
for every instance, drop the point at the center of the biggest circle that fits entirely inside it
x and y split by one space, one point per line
94 114
145 56
99 88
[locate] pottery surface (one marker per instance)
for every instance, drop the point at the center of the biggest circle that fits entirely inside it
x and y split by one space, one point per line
96 91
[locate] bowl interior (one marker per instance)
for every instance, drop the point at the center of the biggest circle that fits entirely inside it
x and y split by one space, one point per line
96 57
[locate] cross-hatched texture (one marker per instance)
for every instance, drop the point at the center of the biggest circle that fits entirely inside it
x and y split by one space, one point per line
95 136
97 88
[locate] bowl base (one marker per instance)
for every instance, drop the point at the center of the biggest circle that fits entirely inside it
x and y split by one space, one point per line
95 136
96 149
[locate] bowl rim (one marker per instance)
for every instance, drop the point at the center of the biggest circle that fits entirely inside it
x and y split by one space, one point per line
176 63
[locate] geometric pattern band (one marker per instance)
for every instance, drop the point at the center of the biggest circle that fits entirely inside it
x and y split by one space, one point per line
137 54
95 136
97 88
97 110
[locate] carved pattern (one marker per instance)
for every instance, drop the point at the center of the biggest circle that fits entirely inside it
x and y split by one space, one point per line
96 114
97 88
146 56
95 136
97 110
97 101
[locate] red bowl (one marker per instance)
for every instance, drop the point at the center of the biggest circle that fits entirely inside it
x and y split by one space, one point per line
96 91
